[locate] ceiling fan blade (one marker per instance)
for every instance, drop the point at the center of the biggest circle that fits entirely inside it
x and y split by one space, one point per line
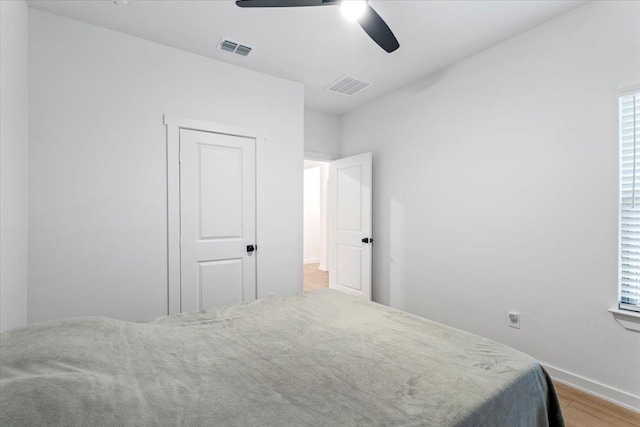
378 30
284 3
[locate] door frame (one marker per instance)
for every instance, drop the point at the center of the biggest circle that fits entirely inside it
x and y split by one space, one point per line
174 124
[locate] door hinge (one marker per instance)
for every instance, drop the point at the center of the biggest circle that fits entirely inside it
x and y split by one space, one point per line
179 156
180 240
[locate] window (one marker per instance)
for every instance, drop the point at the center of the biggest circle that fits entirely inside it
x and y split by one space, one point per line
629 268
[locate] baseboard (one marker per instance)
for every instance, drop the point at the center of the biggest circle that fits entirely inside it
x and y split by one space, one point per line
602 391
312 261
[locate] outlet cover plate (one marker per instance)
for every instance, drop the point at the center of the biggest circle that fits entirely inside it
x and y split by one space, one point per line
514 319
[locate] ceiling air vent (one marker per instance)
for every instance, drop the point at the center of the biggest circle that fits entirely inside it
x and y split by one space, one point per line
234 47
348 86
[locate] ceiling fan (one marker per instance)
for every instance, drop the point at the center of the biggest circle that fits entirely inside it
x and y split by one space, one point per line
358 10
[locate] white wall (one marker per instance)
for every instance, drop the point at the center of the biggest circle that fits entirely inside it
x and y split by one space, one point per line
98 202
495 188
321 135
14 156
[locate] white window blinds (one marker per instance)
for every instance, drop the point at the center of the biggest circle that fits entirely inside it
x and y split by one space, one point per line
630 201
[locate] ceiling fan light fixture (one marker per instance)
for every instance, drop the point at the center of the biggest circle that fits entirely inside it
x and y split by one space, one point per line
359 10
353 9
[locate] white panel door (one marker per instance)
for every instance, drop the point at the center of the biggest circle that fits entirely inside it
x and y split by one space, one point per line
350 225
217 219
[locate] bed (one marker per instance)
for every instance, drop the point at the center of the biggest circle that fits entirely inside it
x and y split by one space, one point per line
320 358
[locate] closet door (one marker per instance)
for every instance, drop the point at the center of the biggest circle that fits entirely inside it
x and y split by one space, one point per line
217 219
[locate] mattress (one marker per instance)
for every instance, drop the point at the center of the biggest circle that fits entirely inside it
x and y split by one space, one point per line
319 358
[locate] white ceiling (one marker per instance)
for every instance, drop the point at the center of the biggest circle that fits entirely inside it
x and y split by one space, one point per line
316 45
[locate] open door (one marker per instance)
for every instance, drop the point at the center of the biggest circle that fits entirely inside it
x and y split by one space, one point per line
350 225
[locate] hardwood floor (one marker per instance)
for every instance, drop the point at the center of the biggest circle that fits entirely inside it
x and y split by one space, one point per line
579 409
314 278
584 410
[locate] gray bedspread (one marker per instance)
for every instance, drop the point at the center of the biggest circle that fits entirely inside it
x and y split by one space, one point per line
321 358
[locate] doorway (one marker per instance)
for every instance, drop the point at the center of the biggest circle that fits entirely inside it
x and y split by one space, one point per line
316 274
337 249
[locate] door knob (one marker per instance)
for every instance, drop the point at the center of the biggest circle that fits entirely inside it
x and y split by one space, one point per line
251 248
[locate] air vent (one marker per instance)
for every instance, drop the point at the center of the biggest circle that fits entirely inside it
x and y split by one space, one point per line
229 46
234 47
348 86
243 50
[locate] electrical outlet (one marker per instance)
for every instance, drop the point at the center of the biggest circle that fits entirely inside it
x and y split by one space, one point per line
514 319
